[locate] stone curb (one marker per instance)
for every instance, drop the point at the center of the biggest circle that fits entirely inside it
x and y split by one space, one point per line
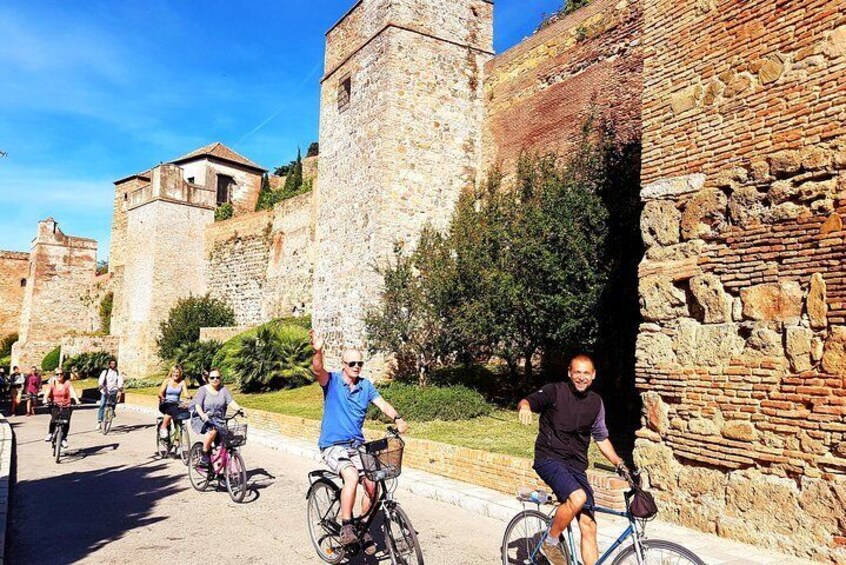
6 452
492 504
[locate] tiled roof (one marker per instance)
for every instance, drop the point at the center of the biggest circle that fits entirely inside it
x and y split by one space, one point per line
220 151
142 175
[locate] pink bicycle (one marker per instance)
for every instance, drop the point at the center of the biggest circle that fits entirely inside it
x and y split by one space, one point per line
226 464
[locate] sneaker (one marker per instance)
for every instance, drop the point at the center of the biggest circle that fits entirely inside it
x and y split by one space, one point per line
368 544
163 433
48 437
553 553
97 427
348 536
64 444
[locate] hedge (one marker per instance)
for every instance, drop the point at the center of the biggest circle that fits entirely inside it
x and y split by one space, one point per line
424 404
51 360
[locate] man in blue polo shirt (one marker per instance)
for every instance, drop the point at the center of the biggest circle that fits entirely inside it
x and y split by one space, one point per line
346 396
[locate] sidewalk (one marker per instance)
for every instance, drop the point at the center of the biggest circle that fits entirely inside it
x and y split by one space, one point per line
486 502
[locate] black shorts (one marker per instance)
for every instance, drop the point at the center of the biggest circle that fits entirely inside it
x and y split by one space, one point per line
564 480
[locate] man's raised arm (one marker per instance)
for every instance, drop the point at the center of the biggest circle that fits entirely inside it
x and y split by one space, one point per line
320 373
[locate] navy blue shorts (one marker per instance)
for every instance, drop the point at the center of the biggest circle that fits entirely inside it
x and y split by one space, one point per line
563 479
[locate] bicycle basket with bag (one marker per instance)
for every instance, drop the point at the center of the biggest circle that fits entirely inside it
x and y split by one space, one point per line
236 434
382 459
642 504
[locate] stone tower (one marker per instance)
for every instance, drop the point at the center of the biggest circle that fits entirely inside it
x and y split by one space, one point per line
400 136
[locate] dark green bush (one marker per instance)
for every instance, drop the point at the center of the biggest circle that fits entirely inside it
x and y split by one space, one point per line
6 344
183 324
51 360
273 358
143 383
424 404
197 357
88 365
225 357
223 212
6 363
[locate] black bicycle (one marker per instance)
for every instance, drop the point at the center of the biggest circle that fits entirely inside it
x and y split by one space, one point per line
61 418
109 412
177 440
382 462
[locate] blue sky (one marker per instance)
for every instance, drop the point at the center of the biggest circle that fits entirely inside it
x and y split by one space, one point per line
93 91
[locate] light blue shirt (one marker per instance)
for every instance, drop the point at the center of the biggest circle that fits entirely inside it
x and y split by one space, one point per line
344 409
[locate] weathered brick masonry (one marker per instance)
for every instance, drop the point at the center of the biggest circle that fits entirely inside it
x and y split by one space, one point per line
742 353
540 92
14 269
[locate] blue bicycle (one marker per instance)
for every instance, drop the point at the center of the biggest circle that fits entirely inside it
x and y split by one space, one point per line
530 528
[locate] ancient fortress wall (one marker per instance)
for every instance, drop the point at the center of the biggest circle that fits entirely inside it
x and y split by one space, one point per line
539 93
61 273
400 136
742 353
14 270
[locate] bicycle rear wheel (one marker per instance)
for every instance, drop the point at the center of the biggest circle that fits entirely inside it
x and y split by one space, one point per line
236 477
401 538
324 504
522 539
58 436
184 444
658 552
107 419
198 474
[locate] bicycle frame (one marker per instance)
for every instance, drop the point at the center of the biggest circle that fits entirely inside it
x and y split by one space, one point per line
383 497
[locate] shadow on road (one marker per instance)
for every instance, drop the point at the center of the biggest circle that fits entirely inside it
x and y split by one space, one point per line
257 480
91 508
77 454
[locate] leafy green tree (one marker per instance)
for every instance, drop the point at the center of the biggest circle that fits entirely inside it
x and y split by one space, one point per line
185 319
294 179
6 344
196 357
265 196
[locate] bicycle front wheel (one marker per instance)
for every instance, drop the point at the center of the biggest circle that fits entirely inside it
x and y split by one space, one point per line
162 444
107 419
198 473
523 537
658 552
324 504
236 477
58 436
184 445
401 538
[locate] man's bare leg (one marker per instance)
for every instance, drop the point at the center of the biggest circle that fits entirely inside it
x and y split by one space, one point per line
566 512
590 551
367 501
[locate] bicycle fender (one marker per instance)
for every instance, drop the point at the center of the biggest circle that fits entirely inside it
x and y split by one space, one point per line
332 485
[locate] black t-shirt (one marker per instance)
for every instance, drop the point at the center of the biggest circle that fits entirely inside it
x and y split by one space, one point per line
568 419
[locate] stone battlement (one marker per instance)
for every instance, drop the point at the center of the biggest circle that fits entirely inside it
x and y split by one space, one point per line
167 183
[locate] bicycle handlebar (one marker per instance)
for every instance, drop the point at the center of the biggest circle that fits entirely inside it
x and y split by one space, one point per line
630 476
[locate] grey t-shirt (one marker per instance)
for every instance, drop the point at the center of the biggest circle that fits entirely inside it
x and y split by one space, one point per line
214 405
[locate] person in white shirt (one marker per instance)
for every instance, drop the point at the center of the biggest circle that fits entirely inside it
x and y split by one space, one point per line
111 382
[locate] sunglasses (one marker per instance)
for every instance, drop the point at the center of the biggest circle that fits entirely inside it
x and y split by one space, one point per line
217 378
352 364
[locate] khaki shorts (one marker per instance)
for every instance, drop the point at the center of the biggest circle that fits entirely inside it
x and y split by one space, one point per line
338 457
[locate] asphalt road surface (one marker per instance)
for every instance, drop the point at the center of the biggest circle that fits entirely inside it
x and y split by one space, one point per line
111 500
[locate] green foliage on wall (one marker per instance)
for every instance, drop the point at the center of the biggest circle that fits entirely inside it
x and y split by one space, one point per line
185 319
6 344
106 305
88 365
223 212
51 360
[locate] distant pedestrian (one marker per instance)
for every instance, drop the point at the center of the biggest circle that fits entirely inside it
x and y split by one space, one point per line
16 380
32 387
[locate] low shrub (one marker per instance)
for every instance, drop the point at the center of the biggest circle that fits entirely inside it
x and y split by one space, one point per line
226 355
273 358
6 363
424 404
6 344
197 357
88 365
51 360
142 383
223 212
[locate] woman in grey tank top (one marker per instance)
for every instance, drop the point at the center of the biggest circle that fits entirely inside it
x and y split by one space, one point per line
170 393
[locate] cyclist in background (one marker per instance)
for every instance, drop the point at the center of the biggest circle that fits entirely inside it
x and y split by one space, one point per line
60 392
570 415
346 396
170 394
210 405
110 382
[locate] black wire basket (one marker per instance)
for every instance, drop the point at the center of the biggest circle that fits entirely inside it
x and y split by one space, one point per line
236 434
382 459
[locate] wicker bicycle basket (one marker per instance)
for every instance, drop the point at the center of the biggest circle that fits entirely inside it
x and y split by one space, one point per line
236 434
382 459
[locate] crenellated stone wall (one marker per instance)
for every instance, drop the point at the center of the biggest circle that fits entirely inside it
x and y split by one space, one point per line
539 93
741 356
400 136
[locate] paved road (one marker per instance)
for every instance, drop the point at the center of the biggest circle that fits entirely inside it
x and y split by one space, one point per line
113 501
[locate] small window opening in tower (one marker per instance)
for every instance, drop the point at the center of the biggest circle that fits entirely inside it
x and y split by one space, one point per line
191 180
344 93
23 282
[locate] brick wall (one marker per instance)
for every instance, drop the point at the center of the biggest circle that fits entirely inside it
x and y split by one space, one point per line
540 92
742 353
14 269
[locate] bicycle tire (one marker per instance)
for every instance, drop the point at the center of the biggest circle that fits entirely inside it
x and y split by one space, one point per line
402 542
184 443
58 436
235 469
653 546
324 503
199 478
107 419
519 551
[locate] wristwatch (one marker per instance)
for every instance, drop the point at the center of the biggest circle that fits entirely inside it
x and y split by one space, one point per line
398 417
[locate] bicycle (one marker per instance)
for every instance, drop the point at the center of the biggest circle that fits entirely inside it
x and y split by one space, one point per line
225 463
529 529
109 413
61 420
177 440
382 462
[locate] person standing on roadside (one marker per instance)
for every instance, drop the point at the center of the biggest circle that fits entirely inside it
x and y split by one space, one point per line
32 387
16 382
110 383
570 415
